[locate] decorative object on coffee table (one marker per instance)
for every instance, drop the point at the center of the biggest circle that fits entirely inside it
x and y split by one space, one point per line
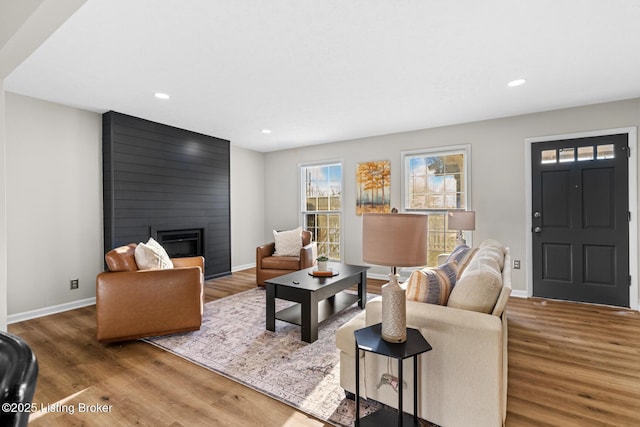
327 273
322 262
461 220
394 240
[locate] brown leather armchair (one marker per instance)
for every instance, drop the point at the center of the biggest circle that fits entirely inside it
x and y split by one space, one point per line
269 266
132 303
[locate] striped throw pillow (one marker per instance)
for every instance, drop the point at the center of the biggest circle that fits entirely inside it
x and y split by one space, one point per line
461 255
432 285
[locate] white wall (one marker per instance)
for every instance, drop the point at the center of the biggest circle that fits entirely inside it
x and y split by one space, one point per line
3 215
247 206
54 203
31 22
497 171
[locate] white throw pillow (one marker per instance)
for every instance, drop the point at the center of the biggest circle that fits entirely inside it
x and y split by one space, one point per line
288 243
478 288
152 256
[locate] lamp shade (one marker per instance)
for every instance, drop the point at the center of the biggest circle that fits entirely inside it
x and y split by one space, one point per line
396 240
461 220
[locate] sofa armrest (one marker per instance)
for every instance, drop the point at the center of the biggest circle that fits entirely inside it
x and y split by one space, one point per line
467 342
134 304
345 338
468 355
308 255
195 261
264 251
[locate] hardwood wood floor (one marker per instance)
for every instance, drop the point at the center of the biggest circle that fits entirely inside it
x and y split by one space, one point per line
569 364
572 364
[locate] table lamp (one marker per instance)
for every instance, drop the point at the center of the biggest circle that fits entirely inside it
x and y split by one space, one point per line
394 240
461 220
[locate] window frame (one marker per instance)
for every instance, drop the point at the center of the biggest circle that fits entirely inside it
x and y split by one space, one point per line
303 212
465 150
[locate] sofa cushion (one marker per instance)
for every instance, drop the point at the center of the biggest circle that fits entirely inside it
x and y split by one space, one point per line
432 285
288 243
461 255
495 252
281 262
152 256
479 286
122 258
494 243
477 291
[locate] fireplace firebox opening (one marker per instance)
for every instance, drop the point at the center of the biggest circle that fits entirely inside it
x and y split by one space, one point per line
180 243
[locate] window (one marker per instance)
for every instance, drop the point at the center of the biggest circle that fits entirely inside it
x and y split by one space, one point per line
585 153
435 181
322 206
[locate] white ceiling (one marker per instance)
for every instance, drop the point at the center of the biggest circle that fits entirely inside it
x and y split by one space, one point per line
317 71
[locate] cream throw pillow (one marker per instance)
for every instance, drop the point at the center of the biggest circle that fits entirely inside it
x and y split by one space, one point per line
288 243
477 291
152 256
479 286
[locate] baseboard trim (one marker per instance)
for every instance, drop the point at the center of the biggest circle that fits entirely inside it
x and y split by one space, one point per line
242 267
41 312
519 294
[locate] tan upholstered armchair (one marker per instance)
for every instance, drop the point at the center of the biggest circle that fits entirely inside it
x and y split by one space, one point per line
269 266
132 303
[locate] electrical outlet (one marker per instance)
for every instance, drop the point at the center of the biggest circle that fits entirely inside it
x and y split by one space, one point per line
75 283
516 264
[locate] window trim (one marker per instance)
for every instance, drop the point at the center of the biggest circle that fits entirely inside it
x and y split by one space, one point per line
448 150
301 196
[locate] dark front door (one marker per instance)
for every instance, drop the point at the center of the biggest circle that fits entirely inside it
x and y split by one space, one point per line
581 219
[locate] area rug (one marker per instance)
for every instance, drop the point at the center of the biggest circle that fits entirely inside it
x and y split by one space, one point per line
233 342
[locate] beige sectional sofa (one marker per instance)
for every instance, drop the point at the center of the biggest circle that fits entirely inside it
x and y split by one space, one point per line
463 380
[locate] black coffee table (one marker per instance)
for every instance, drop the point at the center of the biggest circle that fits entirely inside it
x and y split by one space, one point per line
318 298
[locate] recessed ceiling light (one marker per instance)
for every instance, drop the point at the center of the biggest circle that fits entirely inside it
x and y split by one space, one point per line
161 95
266 131
517 82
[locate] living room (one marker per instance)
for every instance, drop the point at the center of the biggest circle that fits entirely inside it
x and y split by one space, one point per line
52 190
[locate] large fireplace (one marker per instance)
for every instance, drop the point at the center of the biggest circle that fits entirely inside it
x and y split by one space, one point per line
170 178
179 243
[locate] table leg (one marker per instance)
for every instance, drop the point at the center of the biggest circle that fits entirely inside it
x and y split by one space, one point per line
400 381
357 385
271 307
309 312
415 390
362 290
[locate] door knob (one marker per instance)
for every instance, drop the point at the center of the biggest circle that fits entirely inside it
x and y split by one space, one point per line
537 214
537 229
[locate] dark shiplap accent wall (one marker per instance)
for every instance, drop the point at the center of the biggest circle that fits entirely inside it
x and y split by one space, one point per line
161 176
